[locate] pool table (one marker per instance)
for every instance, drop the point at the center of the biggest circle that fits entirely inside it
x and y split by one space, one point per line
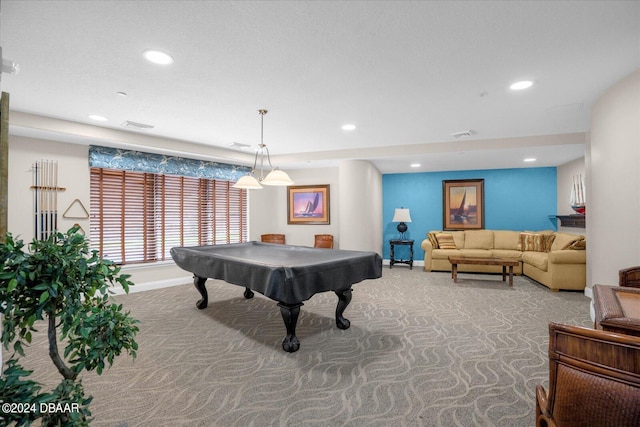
284 273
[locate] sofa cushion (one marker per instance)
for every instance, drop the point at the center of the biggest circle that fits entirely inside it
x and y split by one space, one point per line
506 253
476 253
458 237
478 239
564 240
536 259
444 253
506 239
533 242
445 241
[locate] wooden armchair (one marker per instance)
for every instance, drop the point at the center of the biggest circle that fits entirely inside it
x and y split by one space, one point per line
630 277
273 238
594 379
323 241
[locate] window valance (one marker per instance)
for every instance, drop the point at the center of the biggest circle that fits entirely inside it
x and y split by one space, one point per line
115 158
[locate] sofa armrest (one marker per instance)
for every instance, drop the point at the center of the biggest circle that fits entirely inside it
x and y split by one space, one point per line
428 250
426 245
568 256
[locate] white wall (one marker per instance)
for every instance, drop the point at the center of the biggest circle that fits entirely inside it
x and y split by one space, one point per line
355 206
73 174
360 206
613 186
268 209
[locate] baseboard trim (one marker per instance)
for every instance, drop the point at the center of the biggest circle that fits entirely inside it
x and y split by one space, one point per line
159 284
387 262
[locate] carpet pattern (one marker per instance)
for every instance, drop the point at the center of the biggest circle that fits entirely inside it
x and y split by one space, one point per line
421 351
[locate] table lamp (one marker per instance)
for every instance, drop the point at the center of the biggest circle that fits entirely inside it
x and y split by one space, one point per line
401 215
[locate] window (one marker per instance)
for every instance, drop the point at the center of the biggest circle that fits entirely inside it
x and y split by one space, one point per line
138 216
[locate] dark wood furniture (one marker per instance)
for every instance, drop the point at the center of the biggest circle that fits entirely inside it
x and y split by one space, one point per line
617 309
286 274
630 277
401 242
594 379
273 238
574 220
504 262
323 241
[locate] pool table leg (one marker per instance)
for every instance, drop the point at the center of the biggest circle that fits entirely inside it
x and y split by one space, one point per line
344 298
290 313
198 282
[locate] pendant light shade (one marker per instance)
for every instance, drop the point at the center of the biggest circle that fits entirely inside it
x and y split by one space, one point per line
275 177
248 182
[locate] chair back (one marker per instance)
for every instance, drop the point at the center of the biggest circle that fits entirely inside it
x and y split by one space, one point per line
273 238
594 379
323 241
630 277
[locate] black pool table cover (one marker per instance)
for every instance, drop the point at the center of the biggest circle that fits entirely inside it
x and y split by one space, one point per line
284 273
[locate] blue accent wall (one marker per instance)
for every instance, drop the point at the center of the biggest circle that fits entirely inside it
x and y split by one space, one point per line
515 199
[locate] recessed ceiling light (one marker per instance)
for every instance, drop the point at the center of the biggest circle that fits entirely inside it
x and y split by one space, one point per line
415 165
158 57
348 127
98 118
530 159
524 84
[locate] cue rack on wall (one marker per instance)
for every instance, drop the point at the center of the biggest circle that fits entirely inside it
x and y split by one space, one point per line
45 198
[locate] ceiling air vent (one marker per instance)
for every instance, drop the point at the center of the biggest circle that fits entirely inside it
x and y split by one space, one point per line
239 146
138 126
462 134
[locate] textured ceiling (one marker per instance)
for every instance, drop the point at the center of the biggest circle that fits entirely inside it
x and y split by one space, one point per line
407 74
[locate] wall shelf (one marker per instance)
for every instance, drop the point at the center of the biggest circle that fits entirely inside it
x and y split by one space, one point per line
577 221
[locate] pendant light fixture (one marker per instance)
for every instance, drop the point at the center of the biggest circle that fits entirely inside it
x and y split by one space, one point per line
274 177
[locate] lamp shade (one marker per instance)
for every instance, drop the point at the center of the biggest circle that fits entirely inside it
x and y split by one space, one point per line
247 182
277 177
401 215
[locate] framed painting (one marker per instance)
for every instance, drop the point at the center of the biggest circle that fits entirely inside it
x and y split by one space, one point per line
308 204
463 204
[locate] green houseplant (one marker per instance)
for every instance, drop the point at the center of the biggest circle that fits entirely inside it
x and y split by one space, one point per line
59 283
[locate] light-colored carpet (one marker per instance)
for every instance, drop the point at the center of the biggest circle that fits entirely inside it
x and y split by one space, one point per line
421 351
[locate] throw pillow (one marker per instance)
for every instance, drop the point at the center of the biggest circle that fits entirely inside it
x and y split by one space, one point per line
548 241
533 242
578 245
564 240
445 241
432 238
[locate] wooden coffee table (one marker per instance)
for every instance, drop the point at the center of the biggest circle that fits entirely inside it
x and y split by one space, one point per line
504 262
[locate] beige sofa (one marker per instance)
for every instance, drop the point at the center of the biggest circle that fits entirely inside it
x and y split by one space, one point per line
557 260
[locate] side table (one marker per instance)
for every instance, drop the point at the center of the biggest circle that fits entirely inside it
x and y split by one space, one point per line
393 259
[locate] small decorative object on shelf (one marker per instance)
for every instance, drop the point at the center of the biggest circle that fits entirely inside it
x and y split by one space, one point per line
577 200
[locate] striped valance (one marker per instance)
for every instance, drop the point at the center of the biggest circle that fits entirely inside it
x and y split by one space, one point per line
114 158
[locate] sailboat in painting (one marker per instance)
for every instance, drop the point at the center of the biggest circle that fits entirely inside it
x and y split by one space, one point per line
459 216
311 206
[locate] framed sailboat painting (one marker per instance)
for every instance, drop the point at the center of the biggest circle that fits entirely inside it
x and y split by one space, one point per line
308 204
463 204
